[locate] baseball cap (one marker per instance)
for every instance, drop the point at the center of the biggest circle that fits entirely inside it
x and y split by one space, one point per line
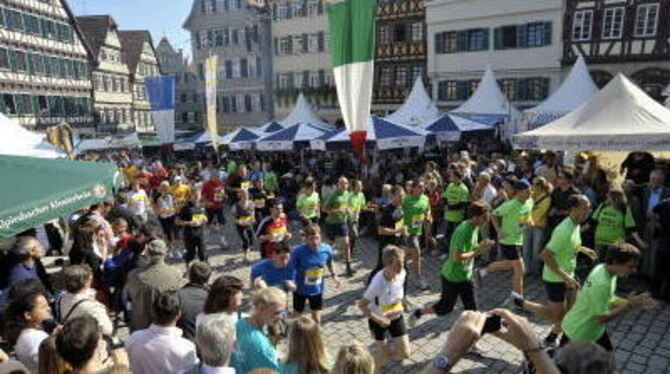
521 185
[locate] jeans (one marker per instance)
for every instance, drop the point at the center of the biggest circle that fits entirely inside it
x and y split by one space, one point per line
533 239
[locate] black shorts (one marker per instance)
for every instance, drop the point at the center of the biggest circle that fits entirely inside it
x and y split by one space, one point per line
215 214
510 252
557 292
396 329
604 341
315 302
337 230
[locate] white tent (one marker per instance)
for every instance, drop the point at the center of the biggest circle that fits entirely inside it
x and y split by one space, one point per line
621 117
576 89
16 140
302 113
417 109
488 101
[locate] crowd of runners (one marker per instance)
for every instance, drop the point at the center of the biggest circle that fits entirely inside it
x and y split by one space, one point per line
141 261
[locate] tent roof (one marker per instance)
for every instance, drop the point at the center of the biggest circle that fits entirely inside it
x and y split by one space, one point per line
302 113
42 189
202 137
576 89
621 117
296 133
16 140
243 135
269 127
381 129
418 108
453 123
488 99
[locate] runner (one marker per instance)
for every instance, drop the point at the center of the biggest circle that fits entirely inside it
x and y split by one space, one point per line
382 304
245 219
275 272
180 191
509 220
138 202
457 271
214 197
416 215
308 203
259 195
165 208
560 262
336 205
356 205
273 230
391 227
597 304
193 219
457 198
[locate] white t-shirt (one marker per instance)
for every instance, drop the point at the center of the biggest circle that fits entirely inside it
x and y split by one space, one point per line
140 199
489 194
384 295
28 346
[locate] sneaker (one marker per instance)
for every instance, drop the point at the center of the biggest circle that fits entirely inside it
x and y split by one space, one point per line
423 286
512 300
413 316
224 242
550 340
476 350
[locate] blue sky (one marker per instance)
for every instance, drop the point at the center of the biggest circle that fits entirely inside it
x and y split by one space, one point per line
161 17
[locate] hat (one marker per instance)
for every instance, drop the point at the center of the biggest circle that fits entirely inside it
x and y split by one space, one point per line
157 247
521 185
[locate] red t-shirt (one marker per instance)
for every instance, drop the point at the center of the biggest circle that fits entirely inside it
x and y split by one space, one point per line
144 178
159 176
213 194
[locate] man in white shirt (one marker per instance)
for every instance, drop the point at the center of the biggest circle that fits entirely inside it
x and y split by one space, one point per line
138 202
79 299
161 347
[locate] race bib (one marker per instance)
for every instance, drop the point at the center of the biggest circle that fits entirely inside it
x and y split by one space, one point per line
314 277
246 219
390 308
198 217
245 185
417 220
259 203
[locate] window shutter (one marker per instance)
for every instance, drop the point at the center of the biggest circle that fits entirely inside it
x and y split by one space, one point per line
305 43
439 42
547 33
321 41
497 38
522 36
485 38
462 44
322 77
290 45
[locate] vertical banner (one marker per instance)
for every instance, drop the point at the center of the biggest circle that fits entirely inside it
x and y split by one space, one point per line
352 38
162 98
210 96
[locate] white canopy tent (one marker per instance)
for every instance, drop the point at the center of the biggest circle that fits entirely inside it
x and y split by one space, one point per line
576 89
621 117
16 140
488 102
303 113
417 109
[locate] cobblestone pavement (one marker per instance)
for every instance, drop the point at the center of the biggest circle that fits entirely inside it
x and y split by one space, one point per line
641 338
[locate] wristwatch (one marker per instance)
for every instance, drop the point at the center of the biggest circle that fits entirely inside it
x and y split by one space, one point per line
441 362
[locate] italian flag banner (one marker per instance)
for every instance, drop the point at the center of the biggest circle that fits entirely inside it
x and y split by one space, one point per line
352 42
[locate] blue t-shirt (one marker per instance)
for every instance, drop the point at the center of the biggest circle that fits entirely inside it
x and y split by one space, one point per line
253 349
310 267
273 276
20 272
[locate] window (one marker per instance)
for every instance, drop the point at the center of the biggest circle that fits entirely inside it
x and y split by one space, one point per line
14 19
613 23
234 37
383 34
581 25
401 76
322 41
447 91
48 29
286 46
282 11
244 68
4 59
416 31
9 104
298 80
314 79
32 24
313 43
477 40
646 20
19 62
385 76
399 33
508 87
538 34
226 36
229 69
299 44
416 73
313 7
462 41
37 64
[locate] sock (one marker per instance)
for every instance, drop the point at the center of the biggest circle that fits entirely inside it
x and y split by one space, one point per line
518 301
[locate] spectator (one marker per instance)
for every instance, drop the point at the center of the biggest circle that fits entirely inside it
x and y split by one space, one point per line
549 168
23 327
583 358
144 284
254 351
161 347
8 366
306 352
80 344
534 233
79 299
559 197
165 207
25 256
661 282
89 246
193 296
215 340
223 301
138 202
120 209
50 362
354 358
652 194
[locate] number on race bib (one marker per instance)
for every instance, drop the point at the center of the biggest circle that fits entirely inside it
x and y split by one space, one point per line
314 277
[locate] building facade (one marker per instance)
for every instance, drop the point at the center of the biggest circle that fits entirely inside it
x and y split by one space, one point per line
521 40
140 57
400 56
301 58
189 104
44 65
628 36
112 92
240 36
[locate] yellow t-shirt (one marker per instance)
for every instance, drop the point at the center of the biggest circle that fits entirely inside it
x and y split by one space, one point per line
540 212
180 193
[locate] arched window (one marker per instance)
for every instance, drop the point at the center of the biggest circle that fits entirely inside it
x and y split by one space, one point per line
653 81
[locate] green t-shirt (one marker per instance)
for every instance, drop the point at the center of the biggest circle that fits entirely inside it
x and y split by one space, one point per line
271 182
594 300
514 214
414 212
564 243
337 200
464 239
612 224
308 205
455 194
231 168
356 204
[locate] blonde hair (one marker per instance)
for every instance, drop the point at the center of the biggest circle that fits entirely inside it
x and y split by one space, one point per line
354 358
305 348
269 296
50 362
391 253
